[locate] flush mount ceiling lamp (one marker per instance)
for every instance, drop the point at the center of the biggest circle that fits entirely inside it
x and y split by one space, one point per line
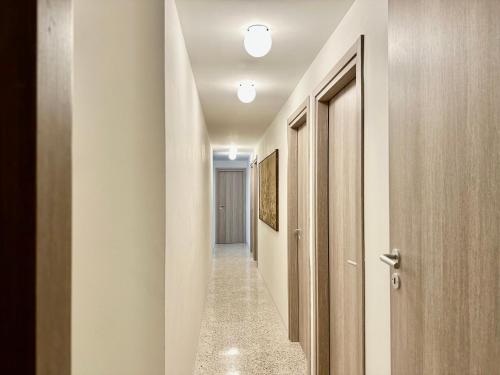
233 151
246 92
258 41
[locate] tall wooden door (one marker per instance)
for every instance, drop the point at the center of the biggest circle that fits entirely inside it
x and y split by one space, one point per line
302 238
230 206
444 91
345 234
254 204
299 283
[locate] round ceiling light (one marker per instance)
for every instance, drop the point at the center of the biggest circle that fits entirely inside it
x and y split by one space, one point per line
258 40
247 92
233 152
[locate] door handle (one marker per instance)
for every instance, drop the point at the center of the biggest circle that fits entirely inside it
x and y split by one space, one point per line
298 233
392 259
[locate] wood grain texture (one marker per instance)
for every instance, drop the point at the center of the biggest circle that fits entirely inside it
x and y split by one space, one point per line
220 207
255 208
345 234
230 206
238 216
298 218
444 79
252 226
18 187
54 118
300 116
303 239
322 308
349 67
292 243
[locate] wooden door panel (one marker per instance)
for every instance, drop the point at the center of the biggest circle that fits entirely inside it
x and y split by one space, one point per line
255 208
302 248
345 234
229 209
220 207
444 59
252 211
230 206
240 208
235 194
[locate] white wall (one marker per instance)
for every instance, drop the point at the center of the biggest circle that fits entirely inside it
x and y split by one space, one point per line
368 17
240 164
188 197
118 188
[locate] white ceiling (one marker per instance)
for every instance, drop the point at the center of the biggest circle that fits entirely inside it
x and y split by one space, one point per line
214 31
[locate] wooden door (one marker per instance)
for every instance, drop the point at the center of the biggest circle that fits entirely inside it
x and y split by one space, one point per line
230 206
444 80
302 238
345 234
35 187
299 279
339 240
254 207
221 207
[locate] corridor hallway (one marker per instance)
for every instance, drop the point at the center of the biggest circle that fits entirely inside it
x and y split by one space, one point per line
242 332
250 187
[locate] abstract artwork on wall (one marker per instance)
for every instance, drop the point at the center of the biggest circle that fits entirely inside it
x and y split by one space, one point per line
268 190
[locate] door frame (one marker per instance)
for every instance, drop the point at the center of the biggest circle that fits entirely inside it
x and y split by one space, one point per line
254 208
349 67
299 118
35 193
224 169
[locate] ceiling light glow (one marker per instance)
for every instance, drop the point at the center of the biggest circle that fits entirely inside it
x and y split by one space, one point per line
232 352
258 41
246 92
233 151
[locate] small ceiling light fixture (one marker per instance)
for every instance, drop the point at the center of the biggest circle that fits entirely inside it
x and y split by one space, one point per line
233 151
246 92
258 41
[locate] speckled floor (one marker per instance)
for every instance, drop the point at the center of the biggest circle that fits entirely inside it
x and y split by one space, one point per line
242 332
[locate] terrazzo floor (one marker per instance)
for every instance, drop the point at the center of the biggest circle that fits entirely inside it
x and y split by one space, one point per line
242 332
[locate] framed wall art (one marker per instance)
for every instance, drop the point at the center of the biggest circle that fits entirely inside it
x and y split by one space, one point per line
269 189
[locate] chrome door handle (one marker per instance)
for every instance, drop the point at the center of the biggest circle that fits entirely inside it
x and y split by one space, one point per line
392 259
298 233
